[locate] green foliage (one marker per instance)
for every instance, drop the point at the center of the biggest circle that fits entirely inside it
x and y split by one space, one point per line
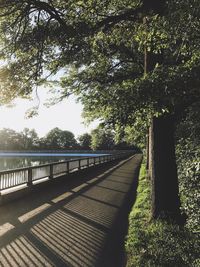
57 138
189 180
188 162
136 133
99 46
28 139
102 139
85 141
156 243
10 139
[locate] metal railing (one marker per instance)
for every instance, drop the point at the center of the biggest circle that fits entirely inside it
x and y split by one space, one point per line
29 175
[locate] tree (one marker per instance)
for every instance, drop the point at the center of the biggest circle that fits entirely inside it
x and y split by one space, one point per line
9 139
102 139
57 139
29 139
43 143
123 59
85 141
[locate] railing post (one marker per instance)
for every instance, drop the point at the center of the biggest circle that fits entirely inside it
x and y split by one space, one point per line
79 164
94 161
67 166
30 177
88 162
51 171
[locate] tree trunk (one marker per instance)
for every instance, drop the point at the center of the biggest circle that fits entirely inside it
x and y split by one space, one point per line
147 152
150 152
163 171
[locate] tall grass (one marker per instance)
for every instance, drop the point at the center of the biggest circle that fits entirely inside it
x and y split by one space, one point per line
157 243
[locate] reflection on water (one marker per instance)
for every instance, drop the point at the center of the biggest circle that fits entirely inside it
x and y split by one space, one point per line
7 163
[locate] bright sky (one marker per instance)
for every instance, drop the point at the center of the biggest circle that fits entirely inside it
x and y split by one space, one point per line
65 115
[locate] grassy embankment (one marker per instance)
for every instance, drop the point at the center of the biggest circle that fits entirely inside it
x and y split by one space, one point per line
157 243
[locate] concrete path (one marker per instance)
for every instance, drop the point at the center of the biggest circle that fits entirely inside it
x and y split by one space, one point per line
81 222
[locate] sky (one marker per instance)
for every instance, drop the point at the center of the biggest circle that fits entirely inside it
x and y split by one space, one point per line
65 115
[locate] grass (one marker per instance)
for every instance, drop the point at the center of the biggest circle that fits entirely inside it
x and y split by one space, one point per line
157 243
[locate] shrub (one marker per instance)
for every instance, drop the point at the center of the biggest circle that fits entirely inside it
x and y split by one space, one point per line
188 160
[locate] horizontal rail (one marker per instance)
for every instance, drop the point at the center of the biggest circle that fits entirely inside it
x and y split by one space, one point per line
28 175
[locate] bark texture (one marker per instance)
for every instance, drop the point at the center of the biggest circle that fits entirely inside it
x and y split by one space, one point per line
163 171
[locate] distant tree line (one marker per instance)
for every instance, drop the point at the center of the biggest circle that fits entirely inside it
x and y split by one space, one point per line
28 139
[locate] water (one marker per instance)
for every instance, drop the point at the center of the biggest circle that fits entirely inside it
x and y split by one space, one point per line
18 160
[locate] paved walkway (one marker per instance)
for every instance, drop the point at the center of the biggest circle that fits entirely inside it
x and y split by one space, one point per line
79 223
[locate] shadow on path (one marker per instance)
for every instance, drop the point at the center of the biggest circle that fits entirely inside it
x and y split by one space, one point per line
81 222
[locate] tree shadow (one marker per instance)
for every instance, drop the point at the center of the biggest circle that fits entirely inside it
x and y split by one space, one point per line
83 227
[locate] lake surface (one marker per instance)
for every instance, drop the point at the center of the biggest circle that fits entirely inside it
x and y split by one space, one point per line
18 160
